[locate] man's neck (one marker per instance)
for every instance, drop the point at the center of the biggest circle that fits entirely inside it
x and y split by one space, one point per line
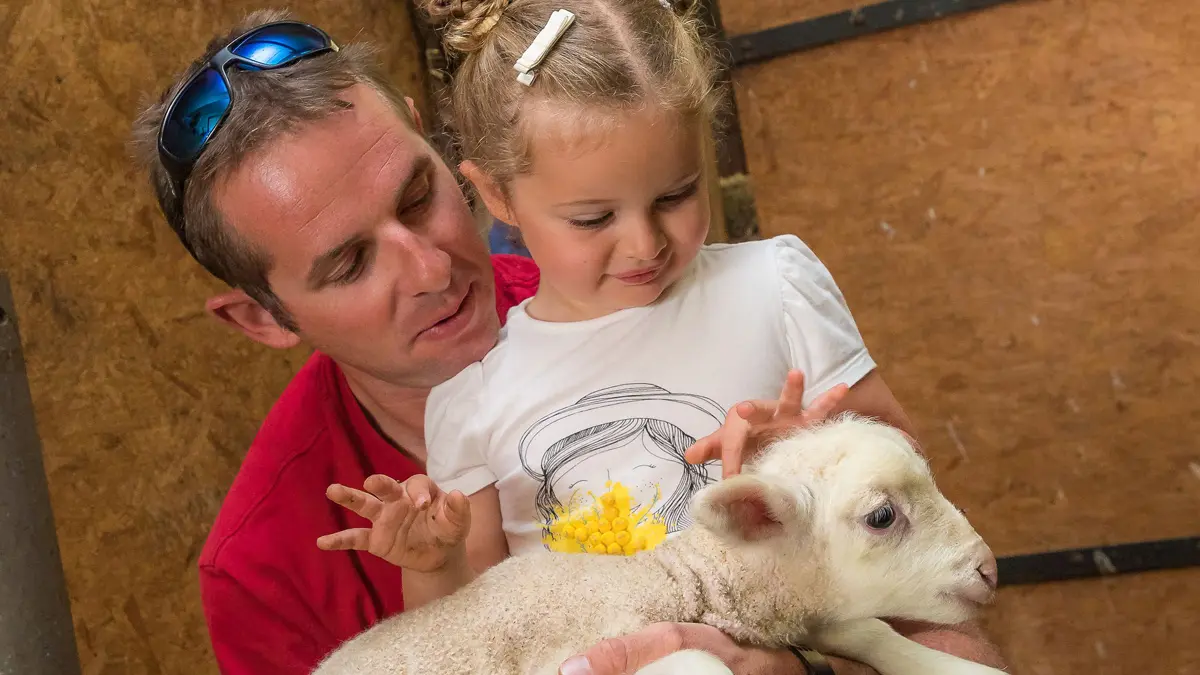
398 413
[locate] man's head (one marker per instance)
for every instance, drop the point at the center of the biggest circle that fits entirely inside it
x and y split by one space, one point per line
320 202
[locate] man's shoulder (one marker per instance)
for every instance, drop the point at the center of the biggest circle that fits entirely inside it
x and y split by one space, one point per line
517 279
280 463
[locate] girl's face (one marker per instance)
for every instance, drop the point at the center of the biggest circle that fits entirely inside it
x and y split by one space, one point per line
611 213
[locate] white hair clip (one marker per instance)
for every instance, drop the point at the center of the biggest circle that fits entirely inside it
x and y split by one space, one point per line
559 21
666 4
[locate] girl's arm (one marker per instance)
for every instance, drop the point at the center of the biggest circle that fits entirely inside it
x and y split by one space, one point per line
871 396
486 544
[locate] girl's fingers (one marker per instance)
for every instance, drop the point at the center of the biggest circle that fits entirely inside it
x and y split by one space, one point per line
792 397
826 403
704 450
455 517
362 503
357 539
734 446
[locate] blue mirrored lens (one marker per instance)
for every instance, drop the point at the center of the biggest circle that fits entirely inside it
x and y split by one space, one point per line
196 113
275 45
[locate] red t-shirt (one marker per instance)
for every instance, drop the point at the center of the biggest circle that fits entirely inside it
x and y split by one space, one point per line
274 602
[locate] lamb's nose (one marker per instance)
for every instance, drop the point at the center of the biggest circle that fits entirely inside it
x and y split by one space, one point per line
988 570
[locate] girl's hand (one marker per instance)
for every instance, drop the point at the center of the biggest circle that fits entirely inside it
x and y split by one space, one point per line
750 425
414 524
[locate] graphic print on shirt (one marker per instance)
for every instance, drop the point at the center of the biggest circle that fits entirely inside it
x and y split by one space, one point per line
611 469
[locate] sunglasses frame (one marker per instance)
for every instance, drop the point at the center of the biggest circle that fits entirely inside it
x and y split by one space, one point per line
180 169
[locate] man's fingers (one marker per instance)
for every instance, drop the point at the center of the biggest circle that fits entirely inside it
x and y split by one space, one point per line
357 539
792 397
362 503
627 654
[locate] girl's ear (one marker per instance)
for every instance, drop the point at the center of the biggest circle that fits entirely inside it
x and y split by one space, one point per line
489 191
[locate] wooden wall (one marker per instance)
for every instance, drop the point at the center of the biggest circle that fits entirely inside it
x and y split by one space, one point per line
145 406
1009 200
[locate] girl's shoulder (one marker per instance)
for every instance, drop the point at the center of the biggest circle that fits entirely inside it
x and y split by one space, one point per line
784 257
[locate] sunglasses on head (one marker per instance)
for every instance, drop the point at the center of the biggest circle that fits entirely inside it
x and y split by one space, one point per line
203 102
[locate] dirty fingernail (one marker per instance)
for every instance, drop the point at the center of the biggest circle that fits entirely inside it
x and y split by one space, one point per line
576 666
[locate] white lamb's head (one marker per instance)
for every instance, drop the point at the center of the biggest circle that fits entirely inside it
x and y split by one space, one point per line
854 502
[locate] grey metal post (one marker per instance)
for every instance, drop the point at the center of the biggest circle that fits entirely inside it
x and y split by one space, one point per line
36 633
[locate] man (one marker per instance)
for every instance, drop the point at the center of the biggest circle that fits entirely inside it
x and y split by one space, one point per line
320 203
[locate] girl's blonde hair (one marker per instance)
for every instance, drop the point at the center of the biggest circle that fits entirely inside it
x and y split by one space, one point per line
617 56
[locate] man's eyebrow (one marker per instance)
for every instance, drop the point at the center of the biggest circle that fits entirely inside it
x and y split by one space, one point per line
421 167
328 260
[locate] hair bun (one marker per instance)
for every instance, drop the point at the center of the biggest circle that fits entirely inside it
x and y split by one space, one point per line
467 22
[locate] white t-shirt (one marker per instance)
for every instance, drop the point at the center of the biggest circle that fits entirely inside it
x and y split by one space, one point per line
556 410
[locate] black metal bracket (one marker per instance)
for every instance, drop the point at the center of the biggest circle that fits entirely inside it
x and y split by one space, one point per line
825 30
1099 561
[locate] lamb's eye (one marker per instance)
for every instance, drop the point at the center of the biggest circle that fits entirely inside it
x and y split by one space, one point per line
881 518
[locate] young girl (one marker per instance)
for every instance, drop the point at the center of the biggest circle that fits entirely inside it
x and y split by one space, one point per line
582 123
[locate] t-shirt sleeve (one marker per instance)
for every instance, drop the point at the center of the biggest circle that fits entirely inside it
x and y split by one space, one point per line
455 436
261 627
822 338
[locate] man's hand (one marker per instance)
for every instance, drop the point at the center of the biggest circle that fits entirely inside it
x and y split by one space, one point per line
626 654
750 425
414 524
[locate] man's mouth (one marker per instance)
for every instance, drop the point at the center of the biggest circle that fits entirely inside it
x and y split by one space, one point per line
452 319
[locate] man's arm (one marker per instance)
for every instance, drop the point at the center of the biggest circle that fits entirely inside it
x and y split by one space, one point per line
260 630
626 654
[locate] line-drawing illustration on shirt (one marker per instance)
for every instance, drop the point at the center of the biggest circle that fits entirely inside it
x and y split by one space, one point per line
634 435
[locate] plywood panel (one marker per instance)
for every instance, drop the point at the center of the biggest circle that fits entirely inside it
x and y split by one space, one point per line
745 17
145 406
1009 201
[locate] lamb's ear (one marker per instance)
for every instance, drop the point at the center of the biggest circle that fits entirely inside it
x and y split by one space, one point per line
747 507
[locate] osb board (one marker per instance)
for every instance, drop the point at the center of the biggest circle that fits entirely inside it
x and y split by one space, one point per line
740 16
1009 201
1120 626
145 406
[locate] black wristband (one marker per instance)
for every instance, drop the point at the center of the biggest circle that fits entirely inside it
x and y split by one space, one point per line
814 662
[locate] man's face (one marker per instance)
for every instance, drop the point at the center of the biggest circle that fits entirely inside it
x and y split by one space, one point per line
374 252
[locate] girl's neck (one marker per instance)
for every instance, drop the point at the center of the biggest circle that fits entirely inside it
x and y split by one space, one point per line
550 306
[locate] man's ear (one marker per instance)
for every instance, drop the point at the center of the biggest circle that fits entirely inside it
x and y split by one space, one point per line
239 310
489 191
748 508
416 115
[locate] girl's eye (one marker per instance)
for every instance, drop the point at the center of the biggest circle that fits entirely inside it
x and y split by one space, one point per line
881 518
681 196
591 223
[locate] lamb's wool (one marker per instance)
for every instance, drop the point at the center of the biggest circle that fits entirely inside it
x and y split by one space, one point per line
766 563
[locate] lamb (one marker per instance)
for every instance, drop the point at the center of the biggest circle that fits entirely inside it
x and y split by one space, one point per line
826 529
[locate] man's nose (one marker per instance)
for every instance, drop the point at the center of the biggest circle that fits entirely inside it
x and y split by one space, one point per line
422 266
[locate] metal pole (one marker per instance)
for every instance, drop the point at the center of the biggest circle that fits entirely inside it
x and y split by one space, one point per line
36 633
